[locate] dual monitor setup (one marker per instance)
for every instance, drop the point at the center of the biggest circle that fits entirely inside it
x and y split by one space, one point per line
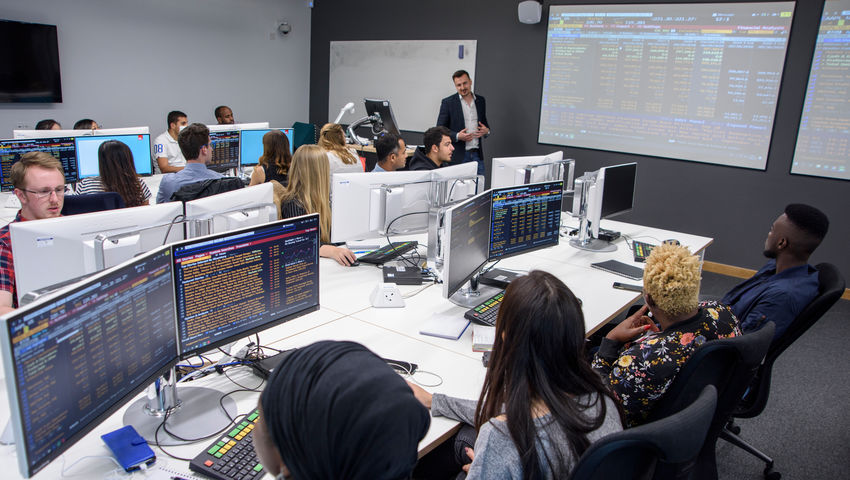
74 358
233 146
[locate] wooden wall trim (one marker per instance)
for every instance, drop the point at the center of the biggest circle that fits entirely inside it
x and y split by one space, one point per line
738 272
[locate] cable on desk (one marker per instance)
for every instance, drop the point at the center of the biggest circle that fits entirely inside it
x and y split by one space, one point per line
178 218
65 469
413 379
388 230
416 292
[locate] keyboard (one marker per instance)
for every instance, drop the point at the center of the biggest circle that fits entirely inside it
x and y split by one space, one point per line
641 250
619 268
387 252
232 456
487 311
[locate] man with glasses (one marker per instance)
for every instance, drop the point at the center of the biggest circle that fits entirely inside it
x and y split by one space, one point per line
194 142
39 183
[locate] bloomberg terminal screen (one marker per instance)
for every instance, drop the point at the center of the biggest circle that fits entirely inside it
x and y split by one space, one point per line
524 218
234 284
62 148
77 357
225 146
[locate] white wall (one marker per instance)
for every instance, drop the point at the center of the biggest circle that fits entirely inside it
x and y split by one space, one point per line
129 62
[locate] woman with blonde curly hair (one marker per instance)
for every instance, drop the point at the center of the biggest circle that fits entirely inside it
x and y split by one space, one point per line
308 192
341 159
640 359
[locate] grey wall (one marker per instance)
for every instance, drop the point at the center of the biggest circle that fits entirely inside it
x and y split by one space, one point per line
735 206
129 62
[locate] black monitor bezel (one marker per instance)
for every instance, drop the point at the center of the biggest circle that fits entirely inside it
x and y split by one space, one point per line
373 105
223 167
182 355
68 179
491 256
450 290
607 169
15 409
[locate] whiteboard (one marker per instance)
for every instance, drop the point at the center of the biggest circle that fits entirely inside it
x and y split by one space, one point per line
414 75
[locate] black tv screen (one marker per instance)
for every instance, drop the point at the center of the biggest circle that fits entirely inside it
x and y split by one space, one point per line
31 54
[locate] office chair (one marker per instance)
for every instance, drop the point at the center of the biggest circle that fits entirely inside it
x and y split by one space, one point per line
633 453
730 365
830 288
91 202
303 134
206 188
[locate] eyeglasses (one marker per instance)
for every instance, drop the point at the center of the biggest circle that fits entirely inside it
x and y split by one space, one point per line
40 194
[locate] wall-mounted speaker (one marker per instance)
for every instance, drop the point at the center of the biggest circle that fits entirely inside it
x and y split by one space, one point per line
530 11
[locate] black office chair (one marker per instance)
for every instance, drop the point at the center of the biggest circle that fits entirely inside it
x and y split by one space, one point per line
91 202
830 288
206 188
729 364
633 453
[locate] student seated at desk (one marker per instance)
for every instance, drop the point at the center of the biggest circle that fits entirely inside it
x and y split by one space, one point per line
117 174
435 152
341 159
639 360
541 405
308 191
391 152
274 162
48 124
194 142
336 410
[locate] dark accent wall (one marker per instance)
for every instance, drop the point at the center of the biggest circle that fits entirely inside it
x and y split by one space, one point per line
735 206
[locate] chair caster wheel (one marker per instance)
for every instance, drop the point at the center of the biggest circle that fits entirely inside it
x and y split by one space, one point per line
769 474
734 429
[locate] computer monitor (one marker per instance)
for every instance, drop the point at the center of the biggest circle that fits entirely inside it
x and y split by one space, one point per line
524 218
87 146
231 210
54 250
358 201
467 241
604 193
225 150
238 126
75 357
618 189
383 110
230 285
63 148
510 171
251 145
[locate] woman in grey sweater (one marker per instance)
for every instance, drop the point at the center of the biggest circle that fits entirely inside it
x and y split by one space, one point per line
541 405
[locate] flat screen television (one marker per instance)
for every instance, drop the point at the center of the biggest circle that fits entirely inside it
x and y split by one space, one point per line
30 52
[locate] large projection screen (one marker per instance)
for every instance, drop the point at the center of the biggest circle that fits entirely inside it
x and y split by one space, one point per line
823 142
688 81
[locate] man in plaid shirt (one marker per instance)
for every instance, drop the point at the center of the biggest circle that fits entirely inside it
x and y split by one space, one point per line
39 183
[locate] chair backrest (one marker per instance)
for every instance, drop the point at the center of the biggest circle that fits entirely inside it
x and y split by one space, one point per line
91 202
303 134
633 453
206 188
830 288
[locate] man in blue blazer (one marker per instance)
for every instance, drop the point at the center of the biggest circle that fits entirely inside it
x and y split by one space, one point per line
465 115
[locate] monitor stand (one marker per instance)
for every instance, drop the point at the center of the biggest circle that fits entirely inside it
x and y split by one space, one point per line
196 414
473 295
593 245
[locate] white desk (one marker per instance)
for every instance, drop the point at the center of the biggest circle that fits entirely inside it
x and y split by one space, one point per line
346 314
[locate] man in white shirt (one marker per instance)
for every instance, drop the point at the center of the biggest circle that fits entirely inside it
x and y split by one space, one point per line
166 152
465 115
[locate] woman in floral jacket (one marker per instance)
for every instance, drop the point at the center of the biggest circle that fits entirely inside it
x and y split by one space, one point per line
638 359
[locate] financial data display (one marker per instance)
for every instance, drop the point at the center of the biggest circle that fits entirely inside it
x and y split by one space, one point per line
225 147
469 238
140 147
823 142
234 284
525 218
694 81
251 145
62 148
77 358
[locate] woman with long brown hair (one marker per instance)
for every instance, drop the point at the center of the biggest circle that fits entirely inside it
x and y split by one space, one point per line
117 174
275 160
308 191
541 405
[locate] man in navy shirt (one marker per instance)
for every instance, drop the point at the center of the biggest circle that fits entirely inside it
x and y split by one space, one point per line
787 283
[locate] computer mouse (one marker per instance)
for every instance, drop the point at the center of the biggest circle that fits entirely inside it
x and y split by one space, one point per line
672 241
355 264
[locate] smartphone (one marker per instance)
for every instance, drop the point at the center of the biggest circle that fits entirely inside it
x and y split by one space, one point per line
628 286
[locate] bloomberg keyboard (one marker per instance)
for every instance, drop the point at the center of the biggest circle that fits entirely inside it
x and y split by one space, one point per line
641 250
231 457
387 252
487 311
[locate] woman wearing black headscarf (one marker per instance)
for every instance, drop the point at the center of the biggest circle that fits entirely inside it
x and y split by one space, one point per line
335 410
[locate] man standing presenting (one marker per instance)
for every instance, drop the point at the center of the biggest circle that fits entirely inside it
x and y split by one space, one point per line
224 115
39 183
194 142
465 115
166 152
436 151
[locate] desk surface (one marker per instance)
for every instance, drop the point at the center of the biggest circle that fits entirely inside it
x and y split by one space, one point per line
346 314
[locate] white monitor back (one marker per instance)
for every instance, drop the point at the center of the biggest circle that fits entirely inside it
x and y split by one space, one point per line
54 250
460 182
510 171
245 207
238 126
358 199
79 133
